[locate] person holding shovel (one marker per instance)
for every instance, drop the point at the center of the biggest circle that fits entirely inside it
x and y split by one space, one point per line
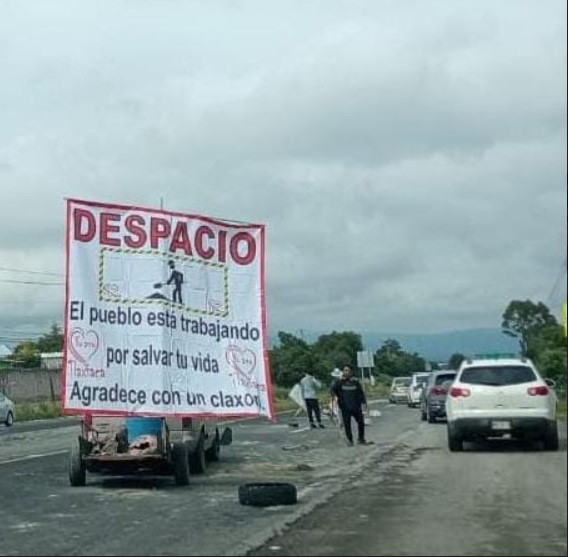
350 397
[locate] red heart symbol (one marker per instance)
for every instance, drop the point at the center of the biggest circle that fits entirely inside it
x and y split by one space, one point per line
83 344
240 359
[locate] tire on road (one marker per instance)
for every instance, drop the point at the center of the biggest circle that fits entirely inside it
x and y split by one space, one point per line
550 441
423 415
180 460
455 442
77 468
268 494
9 419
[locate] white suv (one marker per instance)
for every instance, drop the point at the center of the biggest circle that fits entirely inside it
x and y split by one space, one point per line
496 397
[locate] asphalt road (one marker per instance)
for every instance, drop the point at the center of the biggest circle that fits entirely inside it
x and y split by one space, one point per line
404 495
493 499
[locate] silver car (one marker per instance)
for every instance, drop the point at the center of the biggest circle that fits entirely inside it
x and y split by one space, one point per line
399 390
433 399
7 410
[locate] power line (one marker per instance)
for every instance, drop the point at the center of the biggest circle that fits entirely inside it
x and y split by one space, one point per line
31 302
13 270
557 282
16 281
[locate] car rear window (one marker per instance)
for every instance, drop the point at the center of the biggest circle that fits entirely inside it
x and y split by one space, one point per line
402 382
498 375
421 379
445 378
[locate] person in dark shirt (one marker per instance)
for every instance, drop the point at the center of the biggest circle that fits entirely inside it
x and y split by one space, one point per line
350 398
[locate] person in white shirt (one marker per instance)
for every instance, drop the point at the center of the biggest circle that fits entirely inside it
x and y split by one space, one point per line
309 385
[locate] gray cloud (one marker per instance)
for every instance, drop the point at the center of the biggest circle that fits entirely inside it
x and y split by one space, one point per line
407 158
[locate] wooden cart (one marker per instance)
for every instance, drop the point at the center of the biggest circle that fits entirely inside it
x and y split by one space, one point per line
178 447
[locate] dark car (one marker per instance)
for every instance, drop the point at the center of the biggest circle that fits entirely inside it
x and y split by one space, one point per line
433 399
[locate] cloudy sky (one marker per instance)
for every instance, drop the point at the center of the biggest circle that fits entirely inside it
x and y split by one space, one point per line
408 158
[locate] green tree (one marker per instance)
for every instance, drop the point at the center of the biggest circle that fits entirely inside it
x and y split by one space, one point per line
524 320
455 360
552 363
28 353
290 359
52 341
392 360
336 349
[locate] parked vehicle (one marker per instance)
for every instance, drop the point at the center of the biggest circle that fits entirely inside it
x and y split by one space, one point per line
7 410
497 397
417 382
119 446
399 390
433 399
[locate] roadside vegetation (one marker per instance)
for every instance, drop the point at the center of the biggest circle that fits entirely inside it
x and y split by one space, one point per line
28 411
538 332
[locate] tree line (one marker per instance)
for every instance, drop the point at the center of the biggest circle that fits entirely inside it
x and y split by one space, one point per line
540 336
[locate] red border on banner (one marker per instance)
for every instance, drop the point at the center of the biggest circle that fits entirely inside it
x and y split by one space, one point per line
212 220
63 386
267 375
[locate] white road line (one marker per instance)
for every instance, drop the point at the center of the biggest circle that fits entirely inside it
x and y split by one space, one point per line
33 457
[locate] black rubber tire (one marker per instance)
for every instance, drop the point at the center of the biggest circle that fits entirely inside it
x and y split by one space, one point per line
431 419
551 442
268 494
213 453
9 419
198 460
180 460
77 468
422 415
455 442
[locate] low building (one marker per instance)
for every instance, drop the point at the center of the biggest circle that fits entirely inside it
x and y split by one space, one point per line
51 360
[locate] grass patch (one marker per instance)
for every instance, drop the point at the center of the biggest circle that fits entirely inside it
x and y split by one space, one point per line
28 411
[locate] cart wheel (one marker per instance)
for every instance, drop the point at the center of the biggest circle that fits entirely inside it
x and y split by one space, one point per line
198 460
214 451
181 463
77 468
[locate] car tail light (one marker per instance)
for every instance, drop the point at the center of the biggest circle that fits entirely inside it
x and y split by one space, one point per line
541 390
438 391
459 391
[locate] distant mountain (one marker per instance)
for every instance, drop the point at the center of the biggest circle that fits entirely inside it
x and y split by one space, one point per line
436 347
440 346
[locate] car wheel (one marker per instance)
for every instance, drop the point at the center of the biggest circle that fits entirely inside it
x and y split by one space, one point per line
268 494
197 460
431 419
77 468
180 461
551 439
213 453
422 415
455 442
9 419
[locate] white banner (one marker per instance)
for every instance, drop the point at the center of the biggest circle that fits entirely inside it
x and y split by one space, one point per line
165 314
